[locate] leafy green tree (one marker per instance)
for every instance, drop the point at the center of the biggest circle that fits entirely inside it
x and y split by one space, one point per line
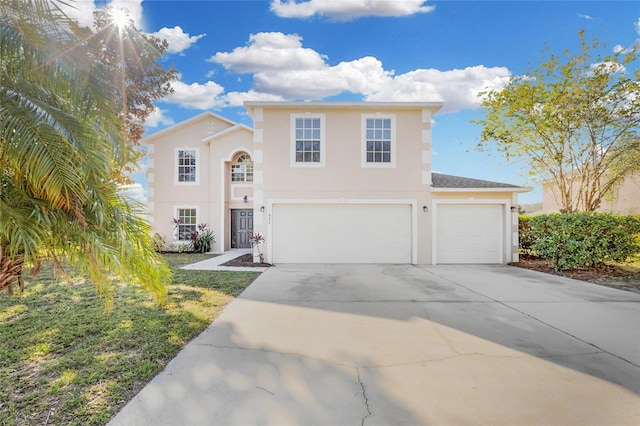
132 60
575 119
62 143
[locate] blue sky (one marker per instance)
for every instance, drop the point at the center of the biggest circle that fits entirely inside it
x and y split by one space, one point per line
376 50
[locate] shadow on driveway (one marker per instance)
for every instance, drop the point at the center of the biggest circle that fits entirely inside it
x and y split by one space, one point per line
399 344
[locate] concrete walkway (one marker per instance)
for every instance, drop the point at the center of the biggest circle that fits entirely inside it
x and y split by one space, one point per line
403 345
215 263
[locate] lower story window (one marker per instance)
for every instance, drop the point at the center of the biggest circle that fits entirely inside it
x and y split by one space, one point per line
187 224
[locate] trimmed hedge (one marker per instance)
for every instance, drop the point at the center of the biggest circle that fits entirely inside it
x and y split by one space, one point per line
526 236
584 238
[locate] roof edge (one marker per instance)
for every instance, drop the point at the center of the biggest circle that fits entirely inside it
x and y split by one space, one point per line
496 189
184 123
344 105
451 183
232 129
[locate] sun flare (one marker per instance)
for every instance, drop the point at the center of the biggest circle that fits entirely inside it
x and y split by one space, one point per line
120 18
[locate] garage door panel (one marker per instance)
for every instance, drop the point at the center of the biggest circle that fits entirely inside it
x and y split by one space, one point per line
320 233
469 233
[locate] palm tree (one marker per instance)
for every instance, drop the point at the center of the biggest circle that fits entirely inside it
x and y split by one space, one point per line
61 148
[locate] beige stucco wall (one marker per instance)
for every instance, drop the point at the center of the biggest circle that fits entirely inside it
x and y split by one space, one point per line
625 199
343 178
227 195
165 194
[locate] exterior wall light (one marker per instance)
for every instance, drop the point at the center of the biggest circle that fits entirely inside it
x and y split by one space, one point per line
245 199
514 209
425 209
262 209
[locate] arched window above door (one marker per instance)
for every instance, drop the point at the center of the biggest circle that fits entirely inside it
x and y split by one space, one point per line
242 169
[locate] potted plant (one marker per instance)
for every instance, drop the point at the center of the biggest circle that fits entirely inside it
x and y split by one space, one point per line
256 240
176 229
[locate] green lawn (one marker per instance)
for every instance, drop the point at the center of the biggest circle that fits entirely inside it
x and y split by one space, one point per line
64 359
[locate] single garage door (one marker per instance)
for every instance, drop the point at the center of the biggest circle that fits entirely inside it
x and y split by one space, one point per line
469 233
341 233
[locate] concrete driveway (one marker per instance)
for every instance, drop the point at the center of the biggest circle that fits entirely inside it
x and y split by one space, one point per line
406 345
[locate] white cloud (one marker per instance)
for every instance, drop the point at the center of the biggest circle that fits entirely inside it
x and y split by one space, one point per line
133 7
587 17
158 118
363 75
348 10
236 99
178 40
608 68
82 10
636 44
283 68
207 96
195 95
134 191
457 88
270 51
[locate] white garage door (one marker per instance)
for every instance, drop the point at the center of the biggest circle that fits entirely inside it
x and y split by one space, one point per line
345 233
469 233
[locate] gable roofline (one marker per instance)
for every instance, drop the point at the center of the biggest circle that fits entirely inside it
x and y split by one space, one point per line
185 123
441 182
251 105
227 131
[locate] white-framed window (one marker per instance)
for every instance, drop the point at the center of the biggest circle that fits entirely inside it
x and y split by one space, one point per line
308 140
242 169
378 140
187 165
187 222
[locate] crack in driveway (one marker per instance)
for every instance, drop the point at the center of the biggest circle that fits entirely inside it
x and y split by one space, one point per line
364 395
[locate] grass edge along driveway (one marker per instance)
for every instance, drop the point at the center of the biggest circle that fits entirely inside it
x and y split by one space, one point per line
64 359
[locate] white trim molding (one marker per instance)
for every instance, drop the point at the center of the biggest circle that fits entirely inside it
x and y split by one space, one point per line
258 135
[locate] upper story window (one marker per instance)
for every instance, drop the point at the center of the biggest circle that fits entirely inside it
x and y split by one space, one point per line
242 169
378 141
187 163
307 141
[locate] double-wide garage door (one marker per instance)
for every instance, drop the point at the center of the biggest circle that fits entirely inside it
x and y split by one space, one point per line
341 233
469 233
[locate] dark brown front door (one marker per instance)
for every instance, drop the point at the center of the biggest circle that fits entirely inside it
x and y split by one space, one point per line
241 228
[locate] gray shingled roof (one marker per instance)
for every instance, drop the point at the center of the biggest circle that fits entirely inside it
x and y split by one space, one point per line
439 180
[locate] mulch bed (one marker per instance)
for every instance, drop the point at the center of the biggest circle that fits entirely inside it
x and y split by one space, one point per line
245 260
608 275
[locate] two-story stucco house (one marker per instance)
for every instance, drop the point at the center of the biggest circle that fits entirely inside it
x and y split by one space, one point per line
327 182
